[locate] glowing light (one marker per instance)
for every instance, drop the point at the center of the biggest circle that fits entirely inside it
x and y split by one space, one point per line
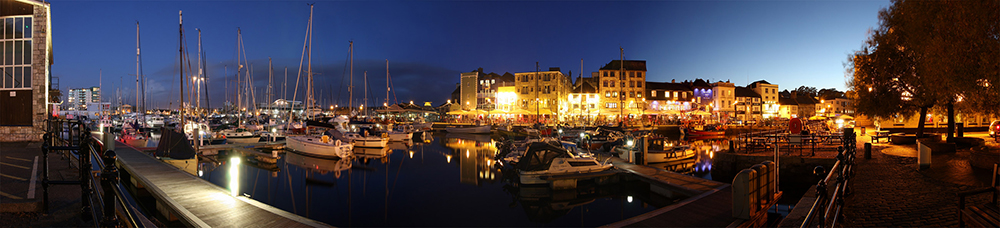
629 198
629 143
234 176
411 154
448 157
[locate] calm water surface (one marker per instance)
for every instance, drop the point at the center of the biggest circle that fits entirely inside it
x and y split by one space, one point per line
450 180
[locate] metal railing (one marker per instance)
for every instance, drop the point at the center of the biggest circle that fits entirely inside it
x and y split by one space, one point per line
73 137
826 210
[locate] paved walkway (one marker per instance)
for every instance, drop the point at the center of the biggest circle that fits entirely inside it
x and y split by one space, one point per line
21 209
889 190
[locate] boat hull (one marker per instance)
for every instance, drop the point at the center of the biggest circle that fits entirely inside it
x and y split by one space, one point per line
315 146
251 139
400 136
469 130
660 156
692 132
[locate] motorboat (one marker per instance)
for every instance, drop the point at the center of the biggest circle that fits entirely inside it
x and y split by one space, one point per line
484 129
154 121
131 136
364 137
330 144
668 153
320 165
544 160
708 130
241 135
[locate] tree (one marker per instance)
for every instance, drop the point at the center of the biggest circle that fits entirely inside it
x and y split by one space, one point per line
829 93
805 90
927 53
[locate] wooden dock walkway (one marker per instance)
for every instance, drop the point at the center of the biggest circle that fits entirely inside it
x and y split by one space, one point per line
199 203
709 203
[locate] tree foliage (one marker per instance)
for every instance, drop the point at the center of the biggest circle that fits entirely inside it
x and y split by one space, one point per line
927 53
806 90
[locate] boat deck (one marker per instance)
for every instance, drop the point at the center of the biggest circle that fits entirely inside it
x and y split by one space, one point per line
709 205
199 203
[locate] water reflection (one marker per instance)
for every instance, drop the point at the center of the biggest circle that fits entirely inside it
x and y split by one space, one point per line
476 153
415 185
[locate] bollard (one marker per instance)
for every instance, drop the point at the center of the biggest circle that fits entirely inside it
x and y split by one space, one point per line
109 179
961 129
868 150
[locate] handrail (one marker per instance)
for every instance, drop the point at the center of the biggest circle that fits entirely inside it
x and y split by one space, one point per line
828 207
108 188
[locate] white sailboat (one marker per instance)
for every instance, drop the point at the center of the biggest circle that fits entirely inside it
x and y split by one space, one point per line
326 145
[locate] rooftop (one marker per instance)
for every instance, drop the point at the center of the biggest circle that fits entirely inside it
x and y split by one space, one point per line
639 65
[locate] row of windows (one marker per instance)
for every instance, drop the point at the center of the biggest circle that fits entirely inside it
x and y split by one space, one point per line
544 77
631 94
15 52
667 94
16 77
543 90
577 106
621 75
18 27
631 84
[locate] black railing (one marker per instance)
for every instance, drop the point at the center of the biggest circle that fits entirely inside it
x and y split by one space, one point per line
73 138
826 210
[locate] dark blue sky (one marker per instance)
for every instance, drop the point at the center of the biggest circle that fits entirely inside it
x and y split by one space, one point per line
428 43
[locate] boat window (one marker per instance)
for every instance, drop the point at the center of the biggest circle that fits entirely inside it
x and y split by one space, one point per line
582 163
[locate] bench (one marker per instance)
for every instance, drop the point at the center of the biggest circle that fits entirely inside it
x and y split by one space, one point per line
981 215
880 134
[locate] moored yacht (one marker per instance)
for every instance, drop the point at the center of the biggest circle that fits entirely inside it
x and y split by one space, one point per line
543 160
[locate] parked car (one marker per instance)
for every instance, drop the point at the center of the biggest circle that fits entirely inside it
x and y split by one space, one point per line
995 130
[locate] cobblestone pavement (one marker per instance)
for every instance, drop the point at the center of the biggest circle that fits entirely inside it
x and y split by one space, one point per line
889 191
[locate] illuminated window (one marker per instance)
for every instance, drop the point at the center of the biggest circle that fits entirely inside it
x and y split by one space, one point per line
16 45
652 93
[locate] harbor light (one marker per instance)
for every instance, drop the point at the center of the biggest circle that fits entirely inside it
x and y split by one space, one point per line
234 176
629 143
629 199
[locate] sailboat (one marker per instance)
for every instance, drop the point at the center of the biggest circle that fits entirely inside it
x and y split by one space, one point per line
329 144
174 148
241 134
394 134
131 130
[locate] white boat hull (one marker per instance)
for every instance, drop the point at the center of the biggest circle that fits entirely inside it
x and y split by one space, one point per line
234 140
314 145
563 166
365 142
400 136
469 130
668 155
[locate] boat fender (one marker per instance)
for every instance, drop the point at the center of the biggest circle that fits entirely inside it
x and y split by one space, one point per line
337 142
385 135
325 139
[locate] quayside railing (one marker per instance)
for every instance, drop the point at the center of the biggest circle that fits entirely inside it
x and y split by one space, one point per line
826 210
116 206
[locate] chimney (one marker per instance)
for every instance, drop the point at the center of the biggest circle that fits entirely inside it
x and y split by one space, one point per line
673 80
553 69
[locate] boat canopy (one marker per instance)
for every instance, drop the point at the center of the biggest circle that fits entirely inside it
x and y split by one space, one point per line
175 145
539 156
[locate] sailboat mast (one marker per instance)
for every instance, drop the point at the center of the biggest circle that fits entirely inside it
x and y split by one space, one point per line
180 43
350 88
387 82
366 90
137 67
309 74
198 78
270 76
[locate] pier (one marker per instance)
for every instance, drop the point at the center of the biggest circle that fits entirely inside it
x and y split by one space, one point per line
199 203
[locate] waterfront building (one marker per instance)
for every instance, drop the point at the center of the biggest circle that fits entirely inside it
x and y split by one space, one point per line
748 105
25 64
807 105
835 106
669 97
622 86
468 91
77 99
724 99
541 92
506 98
702 94
788 108
584 98
768 96
488 87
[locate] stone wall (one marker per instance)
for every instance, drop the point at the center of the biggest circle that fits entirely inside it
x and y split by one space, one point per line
39 83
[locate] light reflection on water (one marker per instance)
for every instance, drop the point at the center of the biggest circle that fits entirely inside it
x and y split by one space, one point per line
449 181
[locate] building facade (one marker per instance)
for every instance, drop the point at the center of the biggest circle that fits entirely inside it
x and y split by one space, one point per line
541 92
78 99
25 65
748 105
724 99
469 89
788 108
668 97
622 85
584 100
769 97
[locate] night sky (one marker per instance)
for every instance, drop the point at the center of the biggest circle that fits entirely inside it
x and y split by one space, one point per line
429 43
